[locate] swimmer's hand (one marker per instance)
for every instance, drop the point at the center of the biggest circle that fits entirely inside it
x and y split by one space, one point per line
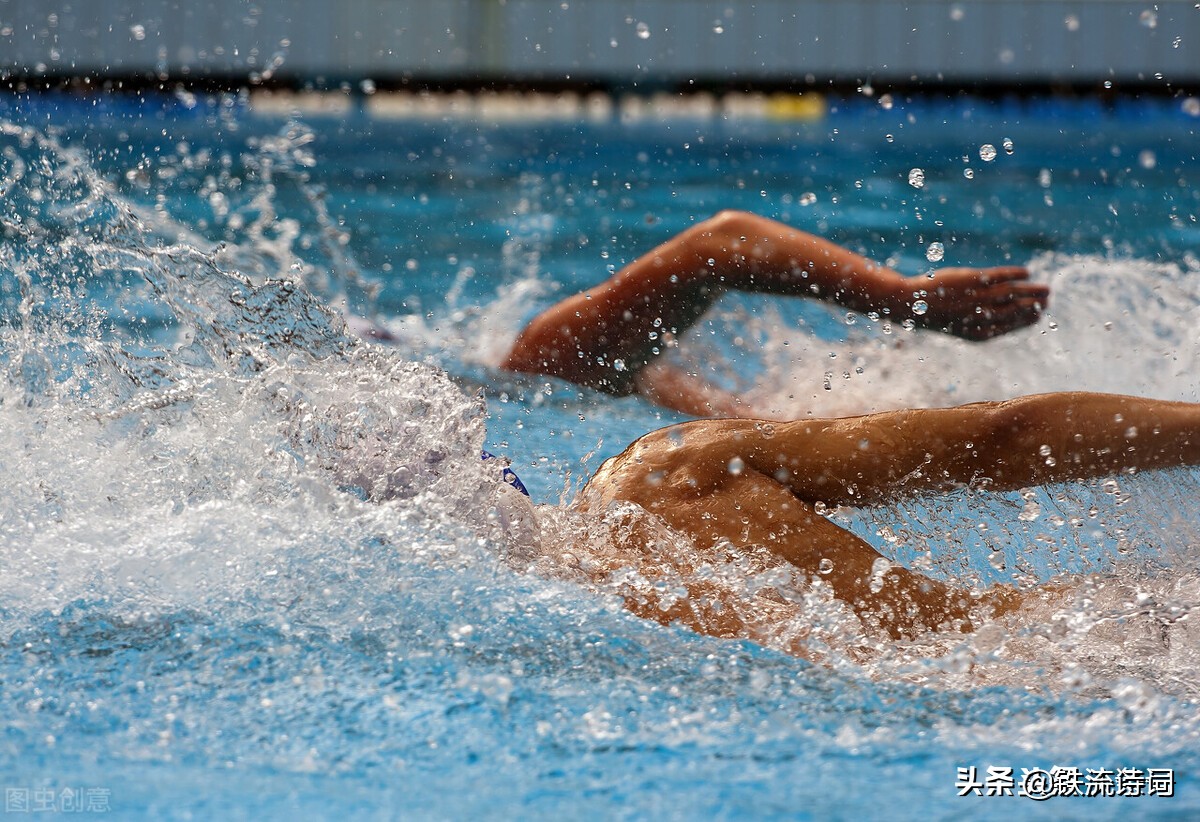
977 303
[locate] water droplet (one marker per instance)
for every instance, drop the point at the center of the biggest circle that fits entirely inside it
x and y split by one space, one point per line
920 307
1044 450
1147 160
916 178
879 569
969 173
987 152
643 31
718 27
935 252
1030 512
889 138
138 31
851 318
619 364
1191 106
1007 144
1149 18
886 102
736 466
807 198
825 566
1071 22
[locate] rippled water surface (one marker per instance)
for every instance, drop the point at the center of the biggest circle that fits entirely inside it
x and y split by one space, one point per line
248 561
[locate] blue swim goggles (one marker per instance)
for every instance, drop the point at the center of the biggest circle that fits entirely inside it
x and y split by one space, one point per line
508 475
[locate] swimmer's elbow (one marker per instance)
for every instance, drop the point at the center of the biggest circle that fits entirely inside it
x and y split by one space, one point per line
728 226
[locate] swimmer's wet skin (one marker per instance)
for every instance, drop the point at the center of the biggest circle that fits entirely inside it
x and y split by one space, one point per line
606 337
745 482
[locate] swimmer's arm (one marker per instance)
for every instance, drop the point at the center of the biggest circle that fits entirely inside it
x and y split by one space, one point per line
751 253
583 337
705 479
1006 445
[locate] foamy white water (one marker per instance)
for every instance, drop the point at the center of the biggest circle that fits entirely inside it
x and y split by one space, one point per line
233 533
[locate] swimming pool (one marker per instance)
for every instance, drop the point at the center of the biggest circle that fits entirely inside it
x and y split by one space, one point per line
200 617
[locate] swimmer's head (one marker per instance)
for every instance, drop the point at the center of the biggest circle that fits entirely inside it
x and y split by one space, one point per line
512 510
507 475
513 513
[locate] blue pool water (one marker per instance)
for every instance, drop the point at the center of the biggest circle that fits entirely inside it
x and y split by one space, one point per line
201 616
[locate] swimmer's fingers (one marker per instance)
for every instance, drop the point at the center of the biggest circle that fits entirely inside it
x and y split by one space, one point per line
1024 293
997 320
981 303
1020 292
1019 313
1003 274
1012 278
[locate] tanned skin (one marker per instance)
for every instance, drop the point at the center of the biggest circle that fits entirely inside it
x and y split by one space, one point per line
605 338
745 482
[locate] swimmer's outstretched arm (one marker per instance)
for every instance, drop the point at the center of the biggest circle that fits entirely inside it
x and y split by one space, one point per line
1006 445
605 337
749 482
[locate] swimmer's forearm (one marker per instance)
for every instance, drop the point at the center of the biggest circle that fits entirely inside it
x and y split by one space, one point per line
751 253
1068 436
735 250
1002 445
834 274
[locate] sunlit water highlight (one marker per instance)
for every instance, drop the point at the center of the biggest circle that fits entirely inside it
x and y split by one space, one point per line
252 563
